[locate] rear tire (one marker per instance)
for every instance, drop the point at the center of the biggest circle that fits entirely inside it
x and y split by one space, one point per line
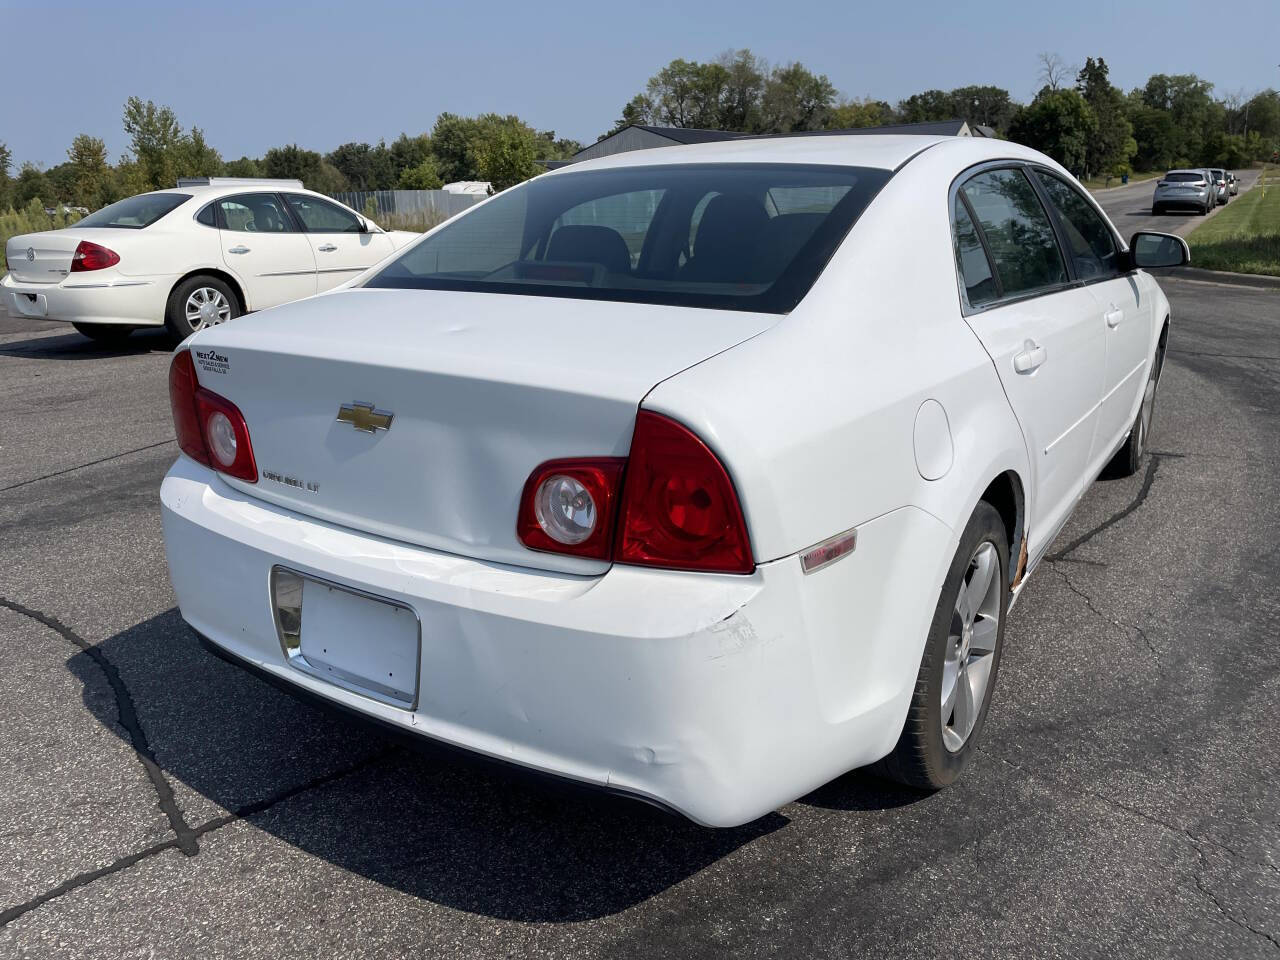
1128 459
103 332
961 658
198 302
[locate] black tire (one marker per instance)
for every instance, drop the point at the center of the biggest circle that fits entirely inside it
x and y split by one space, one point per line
1204 211
922 758
1128 459
104 332
175 314
1156 211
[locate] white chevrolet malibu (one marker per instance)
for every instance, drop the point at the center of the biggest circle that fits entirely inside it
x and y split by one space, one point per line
702 474
210 250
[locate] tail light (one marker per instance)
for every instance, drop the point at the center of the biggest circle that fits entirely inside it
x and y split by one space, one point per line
671 504
570 506
210 429
92 256
679 507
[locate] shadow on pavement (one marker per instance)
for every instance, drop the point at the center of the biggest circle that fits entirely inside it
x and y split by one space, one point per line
73 346
426 822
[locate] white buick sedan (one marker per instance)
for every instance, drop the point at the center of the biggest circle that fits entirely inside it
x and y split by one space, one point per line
192 257
702 474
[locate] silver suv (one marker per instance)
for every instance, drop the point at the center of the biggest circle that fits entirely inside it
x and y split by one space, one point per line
1185 190
1223 185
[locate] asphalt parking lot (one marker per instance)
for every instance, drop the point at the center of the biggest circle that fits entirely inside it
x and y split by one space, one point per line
155 802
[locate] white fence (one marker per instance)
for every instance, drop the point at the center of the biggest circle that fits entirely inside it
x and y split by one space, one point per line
413 204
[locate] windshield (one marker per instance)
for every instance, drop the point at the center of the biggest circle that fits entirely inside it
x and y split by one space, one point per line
729 236
136 212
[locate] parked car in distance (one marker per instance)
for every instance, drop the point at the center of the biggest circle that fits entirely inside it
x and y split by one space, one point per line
1222 185
1184 190
208 250
702 474
1234 182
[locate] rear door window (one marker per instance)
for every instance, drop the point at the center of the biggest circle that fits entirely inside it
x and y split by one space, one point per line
254 213
1018 232
971 259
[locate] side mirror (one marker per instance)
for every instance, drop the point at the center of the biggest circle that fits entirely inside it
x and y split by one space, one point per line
1154 250
364 224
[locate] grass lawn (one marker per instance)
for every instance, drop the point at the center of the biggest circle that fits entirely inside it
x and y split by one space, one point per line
1245 237
1101 183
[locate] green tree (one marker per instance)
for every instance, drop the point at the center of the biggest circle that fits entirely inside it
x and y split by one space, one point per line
1057 122
453 141
88 158
744 76
425 176
193 157
1154 134
1186 98
408 152
796 99
31 185
852 114
154 135
1111 141
365 167
506 156
928 106
244 167
294 163
986 105
6 161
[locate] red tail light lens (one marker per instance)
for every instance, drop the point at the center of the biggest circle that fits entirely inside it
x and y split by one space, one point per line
570 506
679 507
210 429
92 256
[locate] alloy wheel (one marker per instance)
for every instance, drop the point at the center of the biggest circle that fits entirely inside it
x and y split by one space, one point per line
971 646
206 307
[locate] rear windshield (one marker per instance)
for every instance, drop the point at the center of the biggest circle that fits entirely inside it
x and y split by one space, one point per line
136 212
728 236
1184 177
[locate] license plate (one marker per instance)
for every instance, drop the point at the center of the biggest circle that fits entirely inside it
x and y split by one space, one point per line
363 643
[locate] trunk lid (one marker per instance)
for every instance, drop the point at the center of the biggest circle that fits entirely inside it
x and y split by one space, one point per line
481 388
41 257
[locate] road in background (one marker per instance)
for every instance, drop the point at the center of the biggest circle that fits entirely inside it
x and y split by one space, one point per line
156 802
1129 207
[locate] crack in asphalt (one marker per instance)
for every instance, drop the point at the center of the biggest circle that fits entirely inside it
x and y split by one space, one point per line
1195 841
1123 625
1153 464
91 463
11 914
127 714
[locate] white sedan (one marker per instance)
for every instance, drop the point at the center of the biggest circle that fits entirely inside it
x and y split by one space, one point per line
702 474
198 255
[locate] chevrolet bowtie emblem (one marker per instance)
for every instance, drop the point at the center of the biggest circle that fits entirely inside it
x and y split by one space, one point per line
364 417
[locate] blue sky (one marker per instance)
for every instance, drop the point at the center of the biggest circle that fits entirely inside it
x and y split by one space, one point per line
258 75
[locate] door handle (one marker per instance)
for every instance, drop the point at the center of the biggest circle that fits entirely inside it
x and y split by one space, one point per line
1113 317
327 248
1030 358
240 249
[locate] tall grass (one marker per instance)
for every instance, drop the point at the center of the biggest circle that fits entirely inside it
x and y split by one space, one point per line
1244 237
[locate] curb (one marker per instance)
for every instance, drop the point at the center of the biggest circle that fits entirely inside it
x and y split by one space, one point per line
1223 276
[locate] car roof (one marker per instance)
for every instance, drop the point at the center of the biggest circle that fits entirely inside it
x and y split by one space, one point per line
206 192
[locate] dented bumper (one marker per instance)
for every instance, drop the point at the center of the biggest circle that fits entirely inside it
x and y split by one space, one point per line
710 694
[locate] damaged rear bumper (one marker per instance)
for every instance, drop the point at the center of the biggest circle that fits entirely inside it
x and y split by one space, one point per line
715 695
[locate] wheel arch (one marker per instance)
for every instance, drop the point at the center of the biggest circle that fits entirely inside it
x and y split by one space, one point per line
220 274
1006 493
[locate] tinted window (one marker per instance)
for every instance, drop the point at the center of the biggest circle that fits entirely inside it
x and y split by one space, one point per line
1093 247
763 233
1017 230
207 216
971 259
1183 177
254 213
318 216
136 212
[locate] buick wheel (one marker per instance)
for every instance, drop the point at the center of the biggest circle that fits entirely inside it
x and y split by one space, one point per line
198 303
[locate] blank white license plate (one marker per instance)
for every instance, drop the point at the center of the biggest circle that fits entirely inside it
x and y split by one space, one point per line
360 643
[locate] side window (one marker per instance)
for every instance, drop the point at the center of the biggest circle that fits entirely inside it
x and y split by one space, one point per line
971 259
319 216
1018 232
207 216
1093 247
254 213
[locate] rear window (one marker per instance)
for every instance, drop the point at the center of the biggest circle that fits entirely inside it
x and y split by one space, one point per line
1183 177
136 212
726 236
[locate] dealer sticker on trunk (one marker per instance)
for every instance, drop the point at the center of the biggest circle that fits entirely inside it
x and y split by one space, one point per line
212 362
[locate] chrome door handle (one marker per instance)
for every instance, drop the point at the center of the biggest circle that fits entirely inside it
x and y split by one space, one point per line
1113 317
1030 358
327 248
240 249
